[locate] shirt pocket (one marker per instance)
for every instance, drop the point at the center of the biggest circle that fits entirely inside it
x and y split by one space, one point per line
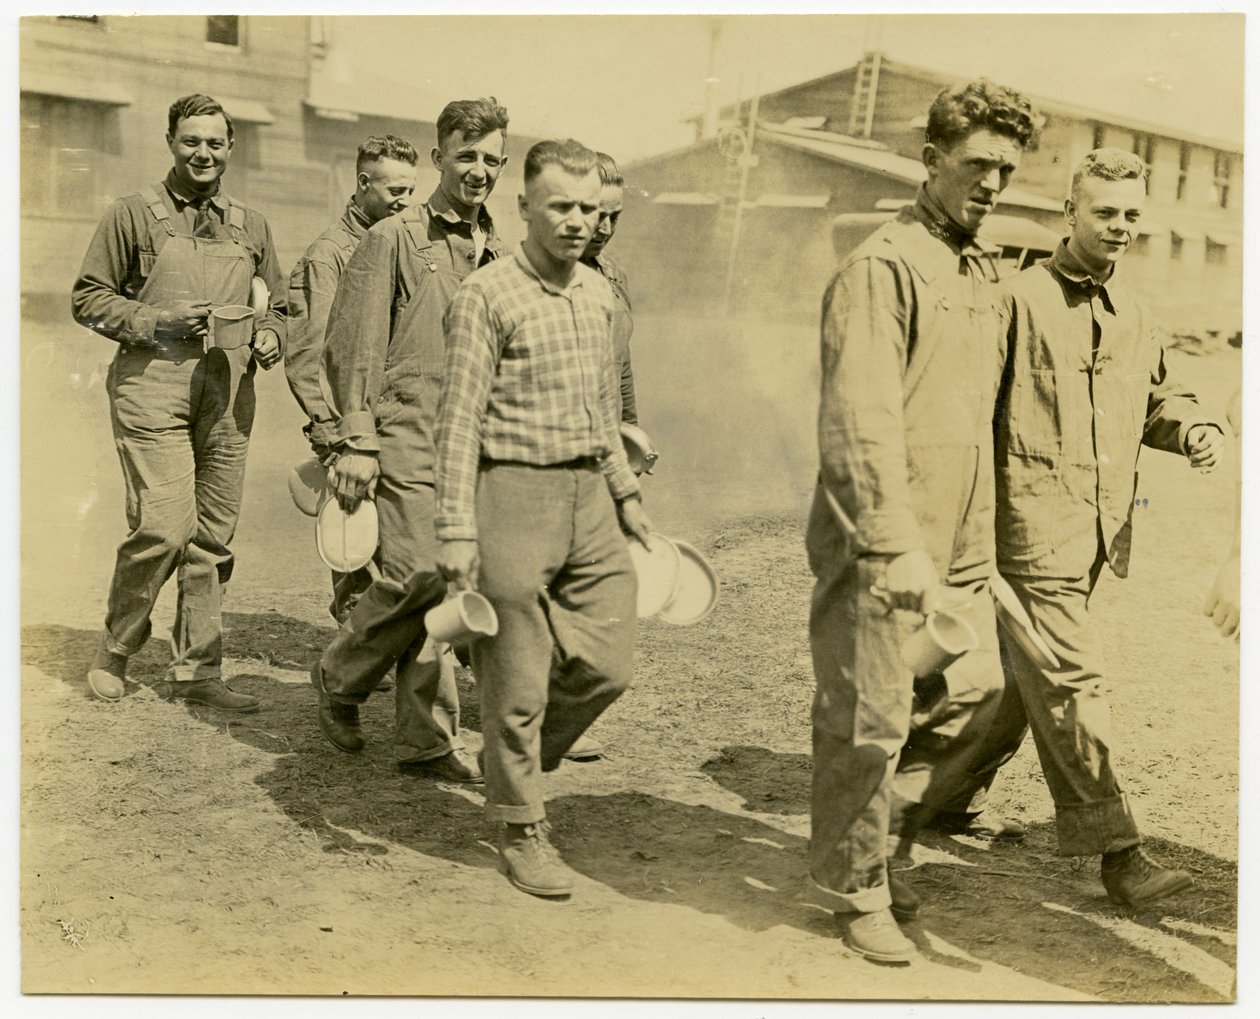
1050 411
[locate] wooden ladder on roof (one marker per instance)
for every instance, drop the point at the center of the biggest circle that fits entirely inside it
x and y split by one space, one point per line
865 88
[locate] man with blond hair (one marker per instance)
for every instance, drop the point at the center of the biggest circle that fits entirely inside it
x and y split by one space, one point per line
1085 386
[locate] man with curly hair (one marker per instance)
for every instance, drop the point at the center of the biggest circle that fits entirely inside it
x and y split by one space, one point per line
1084 388
902 520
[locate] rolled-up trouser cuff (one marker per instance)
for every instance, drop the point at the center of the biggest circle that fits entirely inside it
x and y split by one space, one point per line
406 753
864 900
115 647
515 813
1090 829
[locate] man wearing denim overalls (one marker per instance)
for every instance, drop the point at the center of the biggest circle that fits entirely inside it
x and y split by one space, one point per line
181 398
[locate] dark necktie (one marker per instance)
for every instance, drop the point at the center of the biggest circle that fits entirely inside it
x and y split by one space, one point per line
203 226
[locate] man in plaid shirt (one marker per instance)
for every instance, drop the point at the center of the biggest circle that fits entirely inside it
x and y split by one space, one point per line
532 483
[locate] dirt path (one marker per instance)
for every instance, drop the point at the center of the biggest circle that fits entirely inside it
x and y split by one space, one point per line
167 849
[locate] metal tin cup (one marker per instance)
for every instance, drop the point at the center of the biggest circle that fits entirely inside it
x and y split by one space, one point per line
464 617
231 326
943 638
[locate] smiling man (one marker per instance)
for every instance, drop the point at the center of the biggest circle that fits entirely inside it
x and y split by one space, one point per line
532 482
1085 388
903 518
181 406
385 179
381 378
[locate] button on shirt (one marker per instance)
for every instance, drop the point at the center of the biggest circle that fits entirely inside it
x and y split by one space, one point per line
530 377
1085 386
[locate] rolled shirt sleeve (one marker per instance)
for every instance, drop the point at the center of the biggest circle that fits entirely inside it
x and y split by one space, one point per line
861 429
1171 409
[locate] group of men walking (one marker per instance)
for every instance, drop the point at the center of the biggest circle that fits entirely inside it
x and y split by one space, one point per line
481 415
968 426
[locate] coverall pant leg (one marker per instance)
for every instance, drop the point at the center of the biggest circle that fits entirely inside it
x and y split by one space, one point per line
556 568
860 715
181 426
1070 717
960 728
426 696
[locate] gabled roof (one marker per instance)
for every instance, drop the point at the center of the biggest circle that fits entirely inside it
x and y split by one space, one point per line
837 148
1044 105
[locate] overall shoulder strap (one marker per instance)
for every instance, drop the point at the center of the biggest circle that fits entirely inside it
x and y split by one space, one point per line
157 208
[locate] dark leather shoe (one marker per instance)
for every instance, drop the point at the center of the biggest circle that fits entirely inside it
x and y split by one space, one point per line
1133 879
452 767
876 936
978 826
338 722
213 693
905 900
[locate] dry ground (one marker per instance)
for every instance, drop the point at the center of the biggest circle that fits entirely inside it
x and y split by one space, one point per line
167 849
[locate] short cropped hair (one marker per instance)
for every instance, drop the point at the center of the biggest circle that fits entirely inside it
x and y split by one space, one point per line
572 156
980 104
385 146
1108 164
196 105
476 118
609 171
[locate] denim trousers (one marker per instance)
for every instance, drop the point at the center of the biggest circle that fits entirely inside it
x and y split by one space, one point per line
556 567
385 629
181 420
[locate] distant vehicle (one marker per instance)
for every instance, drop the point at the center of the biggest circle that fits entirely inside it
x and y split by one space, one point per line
1022 241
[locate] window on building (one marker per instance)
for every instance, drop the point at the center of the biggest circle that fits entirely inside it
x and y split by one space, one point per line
1100 136
70 149
1215 253
1183 172
223 29
1147 151
1220 178
1175 244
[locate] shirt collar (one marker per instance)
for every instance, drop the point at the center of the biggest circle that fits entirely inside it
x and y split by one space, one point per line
183 197
1068 267
939 225
356 218
528 266
440 208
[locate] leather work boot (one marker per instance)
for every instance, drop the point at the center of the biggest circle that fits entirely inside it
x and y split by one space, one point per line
338 722
214 694
584 749
106 674
876 936
452 767
905 900
978 826
531 862
1133 879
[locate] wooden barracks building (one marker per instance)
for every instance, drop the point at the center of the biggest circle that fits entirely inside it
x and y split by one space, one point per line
745 218
94 98
849 144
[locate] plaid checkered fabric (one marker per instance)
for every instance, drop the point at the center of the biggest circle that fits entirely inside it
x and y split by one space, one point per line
530 377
